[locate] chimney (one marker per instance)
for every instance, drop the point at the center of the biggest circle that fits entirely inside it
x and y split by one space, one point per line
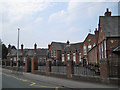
48 46
96 35
35 47
9 48
68 42
107 13
21 48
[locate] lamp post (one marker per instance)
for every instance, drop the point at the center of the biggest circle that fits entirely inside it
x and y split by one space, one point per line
18 49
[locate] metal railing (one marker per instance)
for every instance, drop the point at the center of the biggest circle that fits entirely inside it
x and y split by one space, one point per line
42 68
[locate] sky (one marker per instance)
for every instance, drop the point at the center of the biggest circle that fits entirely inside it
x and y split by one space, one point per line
44 21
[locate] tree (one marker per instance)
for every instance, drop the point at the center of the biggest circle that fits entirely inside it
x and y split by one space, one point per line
4 51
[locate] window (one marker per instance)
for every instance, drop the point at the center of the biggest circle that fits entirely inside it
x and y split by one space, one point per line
62 57
68 56
15 59
89 40
105 47
24 60
102 49
99 52
89 47
84 50
74 57
80 57
93 44
54 53
40 58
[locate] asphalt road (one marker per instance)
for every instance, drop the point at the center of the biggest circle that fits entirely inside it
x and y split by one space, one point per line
12 80
30 81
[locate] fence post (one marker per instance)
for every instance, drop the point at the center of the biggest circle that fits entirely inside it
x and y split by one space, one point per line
48 66
70 68
34 64
104 71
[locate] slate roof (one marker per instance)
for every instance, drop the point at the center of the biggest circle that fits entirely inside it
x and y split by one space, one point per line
75 45
110 25
59 45
29 52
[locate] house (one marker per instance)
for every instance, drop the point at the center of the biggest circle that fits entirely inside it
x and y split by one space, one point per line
87 45
24 53
55 51
71 52
108 42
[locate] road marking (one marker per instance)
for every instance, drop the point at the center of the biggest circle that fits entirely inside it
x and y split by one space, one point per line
56 88
32 84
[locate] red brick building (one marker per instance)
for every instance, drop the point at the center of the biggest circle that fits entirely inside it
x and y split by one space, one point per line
71 52
24 53
55 51
108 42
86 46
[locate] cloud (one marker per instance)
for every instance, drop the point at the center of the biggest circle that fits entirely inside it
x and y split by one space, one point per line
38 20
79 10
17 10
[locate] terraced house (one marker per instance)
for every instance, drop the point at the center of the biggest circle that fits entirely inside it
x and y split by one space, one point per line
25 53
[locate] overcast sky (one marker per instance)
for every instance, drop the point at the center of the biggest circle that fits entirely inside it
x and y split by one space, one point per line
44 21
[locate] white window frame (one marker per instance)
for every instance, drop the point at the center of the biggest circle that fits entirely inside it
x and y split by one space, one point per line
93 44
68 56
105 47
99 52
74 57
85 49
89 47
15 59
62 57
80 57
24 59
102 48
54 53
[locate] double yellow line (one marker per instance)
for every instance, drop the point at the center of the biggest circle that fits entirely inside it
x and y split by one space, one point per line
32 83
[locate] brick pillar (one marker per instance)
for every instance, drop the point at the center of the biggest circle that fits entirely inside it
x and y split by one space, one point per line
28 65
34 64
70 68
48 66
104 71
11 63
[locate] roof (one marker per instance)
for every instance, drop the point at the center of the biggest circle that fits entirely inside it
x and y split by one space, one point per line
29 52
110 25
76 45
59 45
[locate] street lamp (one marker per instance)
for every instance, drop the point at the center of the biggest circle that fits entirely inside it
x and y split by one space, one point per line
18 49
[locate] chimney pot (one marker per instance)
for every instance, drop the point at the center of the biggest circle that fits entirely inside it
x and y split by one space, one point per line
35 47
107 13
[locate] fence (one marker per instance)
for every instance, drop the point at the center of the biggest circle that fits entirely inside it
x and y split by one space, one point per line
59 69
114 67
78 70
42 68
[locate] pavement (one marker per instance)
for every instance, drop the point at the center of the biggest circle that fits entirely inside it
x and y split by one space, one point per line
39 81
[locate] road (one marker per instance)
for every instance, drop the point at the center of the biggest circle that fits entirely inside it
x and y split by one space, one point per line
11 79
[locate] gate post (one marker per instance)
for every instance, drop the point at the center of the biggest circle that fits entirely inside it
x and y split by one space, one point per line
28 65
70 68
104 71
11 63
34 64
48 66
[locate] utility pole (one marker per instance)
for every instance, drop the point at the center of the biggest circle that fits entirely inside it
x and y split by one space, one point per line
18 49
